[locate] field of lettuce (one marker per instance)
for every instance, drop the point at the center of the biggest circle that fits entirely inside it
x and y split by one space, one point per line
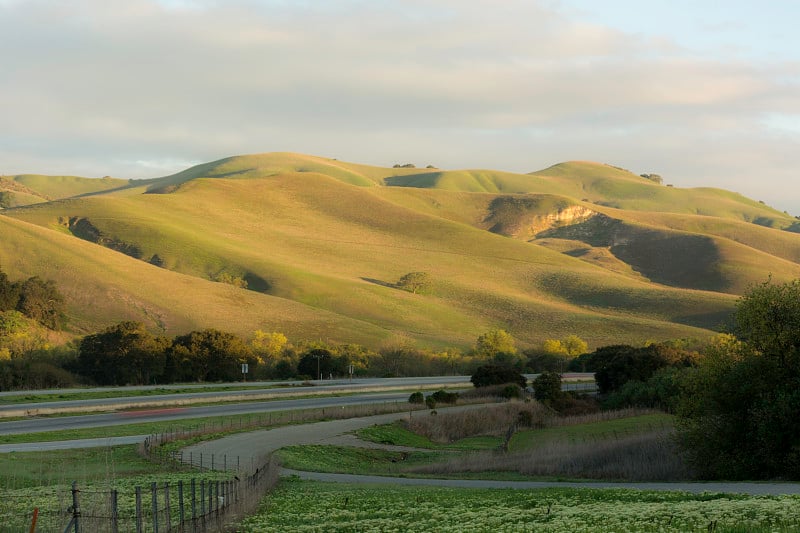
306 506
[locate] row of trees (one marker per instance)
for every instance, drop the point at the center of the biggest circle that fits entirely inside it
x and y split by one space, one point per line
128 354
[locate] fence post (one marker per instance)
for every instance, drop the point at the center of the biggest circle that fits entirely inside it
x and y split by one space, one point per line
114 511
139 524
225 461
201 460
194 504
180 502
76 507
154 490
212 461
217 483
202 497
167 513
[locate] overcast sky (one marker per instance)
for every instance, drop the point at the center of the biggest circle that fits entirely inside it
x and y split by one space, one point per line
703 92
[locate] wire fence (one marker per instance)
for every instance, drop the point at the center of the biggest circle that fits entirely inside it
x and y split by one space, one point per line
194 505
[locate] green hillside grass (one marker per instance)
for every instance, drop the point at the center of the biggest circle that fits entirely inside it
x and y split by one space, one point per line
330 246
55 187
320 243
612 187
102 287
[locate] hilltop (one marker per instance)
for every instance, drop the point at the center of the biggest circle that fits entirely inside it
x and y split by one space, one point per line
312 247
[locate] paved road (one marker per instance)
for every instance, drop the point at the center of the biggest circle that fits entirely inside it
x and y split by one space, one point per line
38 425
233 392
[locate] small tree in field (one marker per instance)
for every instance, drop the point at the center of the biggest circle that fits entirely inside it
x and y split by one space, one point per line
414 282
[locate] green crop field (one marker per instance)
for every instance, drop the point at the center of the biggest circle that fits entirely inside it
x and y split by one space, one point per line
316 506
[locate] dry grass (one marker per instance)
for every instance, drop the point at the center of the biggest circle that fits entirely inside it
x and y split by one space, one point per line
492 420
648 456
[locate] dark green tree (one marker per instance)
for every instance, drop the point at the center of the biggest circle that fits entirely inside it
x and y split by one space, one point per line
209 355
738 417
487 375
123 354
315 363
9 293
616 365
415 282
547 386
41 301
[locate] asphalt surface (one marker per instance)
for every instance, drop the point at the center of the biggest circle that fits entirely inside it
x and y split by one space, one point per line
38 425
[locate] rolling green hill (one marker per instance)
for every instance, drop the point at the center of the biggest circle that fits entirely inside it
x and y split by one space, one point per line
578 248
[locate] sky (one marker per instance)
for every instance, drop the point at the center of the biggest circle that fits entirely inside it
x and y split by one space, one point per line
702 92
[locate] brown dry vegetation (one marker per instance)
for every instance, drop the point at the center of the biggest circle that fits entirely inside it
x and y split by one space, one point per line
651 456
644 454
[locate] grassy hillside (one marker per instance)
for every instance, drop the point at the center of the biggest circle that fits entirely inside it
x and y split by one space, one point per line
34 188
103 287
320 242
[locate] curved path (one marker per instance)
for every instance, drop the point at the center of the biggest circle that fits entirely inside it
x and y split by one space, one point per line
247 447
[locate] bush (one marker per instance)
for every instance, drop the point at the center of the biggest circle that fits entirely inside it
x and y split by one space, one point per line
416 397
616 365
547 386
430 402
442 396
496 375
661 391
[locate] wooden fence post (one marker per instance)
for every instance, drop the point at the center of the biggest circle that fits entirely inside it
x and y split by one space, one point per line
139 521
167 513
180 502
154 491
114 511
76 507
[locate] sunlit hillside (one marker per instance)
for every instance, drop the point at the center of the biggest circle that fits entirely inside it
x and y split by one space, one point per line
313 246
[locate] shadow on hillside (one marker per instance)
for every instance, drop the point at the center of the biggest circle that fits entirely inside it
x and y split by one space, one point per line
379 282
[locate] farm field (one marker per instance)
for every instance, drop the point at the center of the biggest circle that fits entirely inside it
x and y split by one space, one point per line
307 505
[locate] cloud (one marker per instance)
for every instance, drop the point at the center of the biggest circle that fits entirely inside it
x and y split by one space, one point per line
459 82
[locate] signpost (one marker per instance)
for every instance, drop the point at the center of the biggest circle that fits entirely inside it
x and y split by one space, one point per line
245 369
